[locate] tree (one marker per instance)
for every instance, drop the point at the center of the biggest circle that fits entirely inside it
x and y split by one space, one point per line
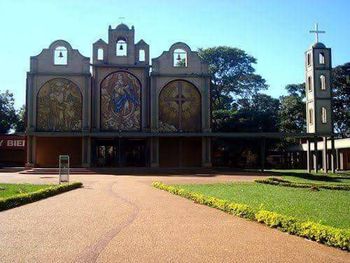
181 63
297 90
341 98
258 114
8 116
292 112
233 76
20 122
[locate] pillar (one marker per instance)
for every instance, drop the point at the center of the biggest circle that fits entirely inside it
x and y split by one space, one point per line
324 155
206 152
333 155
86 152
154 152
308 156
337 159
29 157
33 151
315 155
341 160
262 154
83 152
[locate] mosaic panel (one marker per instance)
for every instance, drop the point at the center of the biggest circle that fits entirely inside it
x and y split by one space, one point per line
59 106
120 102
179 107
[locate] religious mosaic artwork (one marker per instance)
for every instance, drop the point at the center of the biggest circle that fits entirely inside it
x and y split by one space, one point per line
120 102
179 107
59 106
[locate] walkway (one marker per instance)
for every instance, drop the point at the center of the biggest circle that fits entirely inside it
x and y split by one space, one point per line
124 219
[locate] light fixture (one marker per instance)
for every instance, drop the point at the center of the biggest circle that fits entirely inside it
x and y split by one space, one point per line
60 55
178 57
121 47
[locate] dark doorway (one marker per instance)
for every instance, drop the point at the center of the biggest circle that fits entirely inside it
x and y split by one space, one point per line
120 152
133 152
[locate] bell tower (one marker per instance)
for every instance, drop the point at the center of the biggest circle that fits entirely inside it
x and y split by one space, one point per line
318 67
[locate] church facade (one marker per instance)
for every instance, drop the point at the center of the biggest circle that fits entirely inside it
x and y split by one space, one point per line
117 110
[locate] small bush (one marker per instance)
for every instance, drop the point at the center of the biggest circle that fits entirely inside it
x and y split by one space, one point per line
26 198
324 234
331 236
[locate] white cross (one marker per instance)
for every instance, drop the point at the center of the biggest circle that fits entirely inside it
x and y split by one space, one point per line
316 31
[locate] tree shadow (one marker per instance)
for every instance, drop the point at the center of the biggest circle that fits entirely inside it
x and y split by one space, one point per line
179 172
314 177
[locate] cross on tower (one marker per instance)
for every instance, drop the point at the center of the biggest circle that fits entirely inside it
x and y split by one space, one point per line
316 31
121 18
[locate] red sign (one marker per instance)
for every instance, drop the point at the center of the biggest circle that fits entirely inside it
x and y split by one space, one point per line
12 142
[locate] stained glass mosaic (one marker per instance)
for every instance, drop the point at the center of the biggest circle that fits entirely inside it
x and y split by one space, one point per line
179 107
120 102
59 106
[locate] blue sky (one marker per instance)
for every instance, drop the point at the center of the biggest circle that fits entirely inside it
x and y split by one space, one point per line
273 31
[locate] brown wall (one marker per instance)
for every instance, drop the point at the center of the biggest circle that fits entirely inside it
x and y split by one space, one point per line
10 157
346 159
48 150
180 152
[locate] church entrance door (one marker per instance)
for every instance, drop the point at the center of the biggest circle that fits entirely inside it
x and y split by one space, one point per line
106 154
180 152
120 152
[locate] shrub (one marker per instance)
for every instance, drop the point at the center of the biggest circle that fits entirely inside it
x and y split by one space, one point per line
324 234
26 198
331 236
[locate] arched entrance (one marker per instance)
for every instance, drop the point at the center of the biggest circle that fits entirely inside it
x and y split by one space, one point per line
180 111
120 111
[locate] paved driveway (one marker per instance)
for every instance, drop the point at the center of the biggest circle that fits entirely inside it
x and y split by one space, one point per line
124 219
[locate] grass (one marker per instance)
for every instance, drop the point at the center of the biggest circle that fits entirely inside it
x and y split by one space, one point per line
10 190
13 195
326 207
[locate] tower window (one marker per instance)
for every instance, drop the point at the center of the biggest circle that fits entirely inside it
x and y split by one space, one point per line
309 84
311 115
142 55
323 82
60 56
121 48
308 59
321 58
180 58
100 54
324 115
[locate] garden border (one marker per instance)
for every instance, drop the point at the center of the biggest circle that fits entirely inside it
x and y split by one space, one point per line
22 199
336 237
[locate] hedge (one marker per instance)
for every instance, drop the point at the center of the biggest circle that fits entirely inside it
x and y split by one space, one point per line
282 182
21 199
339 238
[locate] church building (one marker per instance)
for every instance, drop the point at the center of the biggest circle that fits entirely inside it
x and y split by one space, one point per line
117 110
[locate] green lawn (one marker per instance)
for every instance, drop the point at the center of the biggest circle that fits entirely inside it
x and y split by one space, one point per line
8 190
327 207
